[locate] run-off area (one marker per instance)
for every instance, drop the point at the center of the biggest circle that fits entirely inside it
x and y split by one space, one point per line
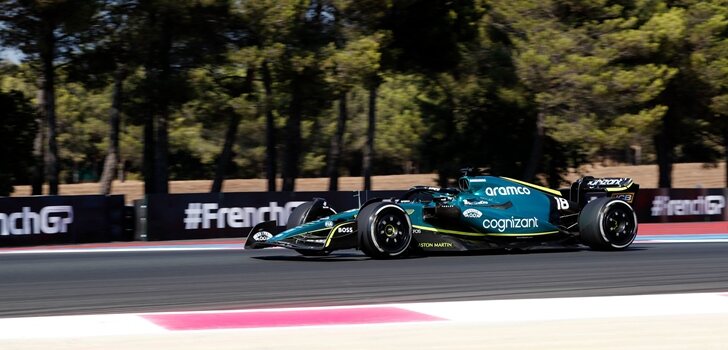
646 321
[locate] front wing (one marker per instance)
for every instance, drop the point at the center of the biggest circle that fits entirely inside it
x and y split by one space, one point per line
339 236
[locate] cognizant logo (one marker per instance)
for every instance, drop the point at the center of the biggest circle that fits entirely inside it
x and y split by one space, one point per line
49 220
203 215
504 224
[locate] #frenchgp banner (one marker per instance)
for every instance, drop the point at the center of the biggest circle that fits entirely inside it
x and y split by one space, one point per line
60 219
681 205
218 215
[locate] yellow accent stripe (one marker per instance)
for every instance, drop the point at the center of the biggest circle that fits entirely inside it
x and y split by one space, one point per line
331 234
462 233
617 189
427 228
545 189
524 234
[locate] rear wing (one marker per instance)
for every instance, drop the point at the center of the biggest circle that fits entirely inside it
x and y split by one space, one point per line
589 188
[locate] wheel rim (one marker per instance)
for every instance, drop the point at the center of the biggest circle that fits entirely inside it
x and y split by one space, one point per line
619 225
391 231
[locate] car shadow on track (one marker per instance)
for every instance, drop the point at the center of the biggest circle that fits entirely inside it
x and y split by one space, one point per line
328 258
358 256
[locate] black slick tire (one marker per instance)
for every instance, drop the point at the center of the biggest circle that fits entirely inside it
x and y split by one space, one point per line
384 230
607 224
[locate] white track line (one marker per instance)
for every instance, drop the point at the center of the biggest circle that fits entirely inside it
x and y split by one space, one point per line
520 310
489 311
76 326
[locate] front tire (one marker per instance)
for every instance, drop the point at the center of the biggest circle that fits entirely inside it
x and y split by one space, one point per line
304 213
607 224
385 230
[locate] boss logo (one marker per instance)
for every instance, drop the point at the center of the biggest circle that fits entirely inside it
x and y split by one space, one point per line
346 229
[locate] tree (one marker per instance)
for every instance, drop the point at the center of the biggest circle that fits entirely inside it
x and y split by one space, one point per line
707 22
355 60
176 38
111 57
267 23
235 89
292 35
434 39
46 32
587 67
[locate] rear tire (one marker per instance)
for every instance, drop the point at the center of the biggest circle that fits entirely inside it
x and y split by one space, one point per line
607 224
385 230
301 215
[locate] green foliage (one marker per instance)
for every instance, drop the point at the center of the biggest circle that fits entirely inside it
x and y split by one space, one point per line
595 96
459 83
82 131
399 126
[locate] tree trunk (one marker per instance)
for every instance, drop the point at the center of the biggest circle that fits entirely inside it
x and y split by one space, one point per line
161 145
443 176
534 160
111 164
149 168
663 148
152 95
293 138
38 175
48 44
725 154
150 185
161 152
270 130
369 147
226 154
332 169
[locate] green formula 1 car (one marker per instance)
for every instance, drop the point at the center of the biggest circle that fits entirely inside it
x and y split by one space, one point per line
485 212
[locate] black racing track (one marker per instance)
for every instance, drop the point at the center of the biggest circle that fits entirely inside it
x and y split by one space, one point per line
54 284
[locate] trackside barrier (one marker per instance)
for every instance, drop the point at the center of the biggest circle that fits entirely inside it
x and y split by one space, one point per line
84 219
681 205
62 220
205 215
218 215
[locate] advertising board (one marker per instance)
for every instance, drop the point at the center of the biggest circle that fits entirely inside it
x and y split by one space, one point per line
681 205
61 219
218 215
